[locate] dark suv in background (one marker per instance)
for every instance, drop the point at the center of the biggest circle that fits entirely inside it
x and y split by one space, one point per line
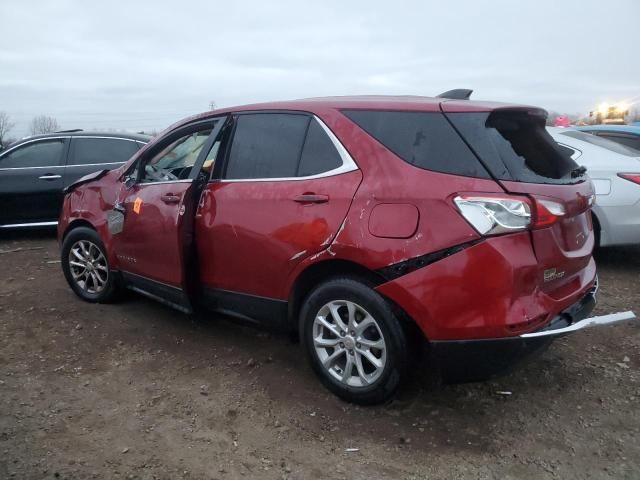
35 170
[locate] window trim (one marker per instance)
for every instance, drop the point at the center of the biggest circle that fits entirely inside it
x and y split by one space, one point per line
37 140
348 163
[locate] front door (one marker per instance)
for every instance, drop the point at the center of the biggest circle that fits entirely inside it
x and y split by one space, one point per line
152 248
31 182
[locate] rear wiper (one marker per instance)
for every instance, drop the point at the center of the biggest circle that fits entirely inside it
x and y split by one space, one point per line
578 172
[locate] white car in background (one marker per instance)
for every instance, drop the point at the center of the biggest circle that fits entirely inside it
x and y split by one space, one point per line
615 171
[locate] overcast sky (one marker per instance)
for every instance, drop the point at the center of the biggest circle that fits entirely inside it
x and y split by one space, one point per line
145 64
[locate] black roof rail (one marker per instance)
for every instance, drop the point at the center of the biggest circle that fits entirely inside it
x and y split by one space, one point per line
70 131
456 94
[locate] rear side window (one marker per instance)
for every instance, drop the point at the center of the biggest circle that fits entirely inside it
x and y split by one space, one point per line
92 151
423 139
266 145
319 155
45 153
515 145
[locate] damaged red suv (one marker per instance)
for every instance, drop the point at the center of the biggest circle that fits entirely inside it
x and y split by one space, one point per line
377 228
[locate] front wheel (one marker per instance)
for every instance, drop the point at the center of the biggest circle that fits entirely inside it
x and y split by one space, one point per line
86 268
354 340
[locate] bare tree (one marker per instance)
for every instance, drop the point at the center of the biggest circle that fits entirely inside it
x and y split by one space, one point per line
43 124
5 127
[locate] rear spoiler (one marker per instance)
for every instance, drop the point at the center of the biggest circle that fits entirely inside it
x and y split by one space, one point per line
86 179
456 94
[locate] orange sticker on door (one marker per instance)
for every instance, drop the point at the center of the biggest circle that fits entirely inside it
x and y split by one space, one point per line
137 205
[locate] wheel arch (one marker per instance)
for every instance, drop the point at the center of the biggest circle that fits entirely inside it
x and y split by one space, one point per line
322 271
78 222
319 272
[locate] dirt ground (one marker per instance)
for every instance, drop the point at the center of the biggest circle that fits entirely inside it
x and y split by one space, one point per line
137 390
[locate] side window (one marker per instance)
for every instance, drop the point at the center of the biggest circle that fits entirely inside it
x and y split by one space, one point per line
319 154
423 139
92 151
266 145
45 153
175 161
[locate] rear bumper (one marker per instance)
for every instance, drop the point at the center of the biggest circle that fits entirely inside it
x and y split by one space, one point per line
471 360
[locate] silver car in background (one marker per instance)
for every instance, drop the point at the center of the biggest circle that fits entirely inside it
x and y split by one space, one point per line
615 171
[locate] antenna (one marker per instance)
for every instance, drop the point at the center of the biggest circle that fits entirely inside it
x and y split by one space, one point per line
456 94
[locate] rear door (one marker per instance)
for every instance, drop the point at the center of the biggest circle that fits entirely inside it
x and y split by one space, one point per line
154 244
524 158
285 184
89 154
31 182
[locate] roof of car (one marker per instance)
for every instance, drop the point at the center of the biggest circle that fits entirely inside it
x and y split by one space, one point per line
633 129
83 133
382 102
374 102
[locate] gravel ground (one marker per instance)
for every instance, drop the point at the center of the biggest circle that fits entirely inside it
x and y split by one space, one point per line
137 390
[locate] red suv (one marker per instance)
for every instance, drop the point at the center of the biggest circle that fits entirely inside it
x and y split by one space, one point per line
372 226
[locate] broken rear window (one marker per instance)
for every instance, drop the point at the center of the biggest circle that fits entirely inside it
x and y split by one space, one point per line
514 145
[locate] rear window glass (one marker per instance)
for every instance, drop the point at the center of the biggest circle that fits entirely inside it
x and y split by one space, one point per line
93 151
423 139
602 142
515 145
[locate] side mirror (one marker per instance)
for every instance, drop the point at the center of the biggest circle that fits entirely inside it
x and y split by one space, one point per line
129 181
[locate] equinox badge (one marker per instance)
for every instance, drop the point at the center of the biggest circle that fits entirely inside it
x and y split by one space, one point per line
552 274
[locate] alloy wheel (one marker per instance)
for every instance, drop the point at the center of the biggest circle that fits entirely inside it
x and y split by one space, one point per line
349 343
88 266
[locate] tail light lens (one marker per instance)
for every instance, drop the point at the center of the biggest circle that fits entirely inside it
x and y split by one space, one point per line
546 212
632 177
494 215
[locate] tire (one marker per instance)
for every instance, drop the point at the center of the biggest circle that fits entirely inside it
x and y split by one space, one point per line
86 267
377 372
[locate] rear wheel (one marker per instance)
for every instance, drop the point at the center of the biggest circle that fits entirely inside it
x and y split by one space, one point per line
86 268
354 341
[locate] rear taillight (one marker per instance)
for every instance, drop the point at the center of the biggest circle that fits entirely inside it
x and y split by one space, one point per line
494 215
546 212
632 177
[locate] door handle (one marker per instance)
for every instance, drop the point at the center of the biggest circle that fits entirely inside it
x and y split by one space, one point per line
308 198
50 176
170 198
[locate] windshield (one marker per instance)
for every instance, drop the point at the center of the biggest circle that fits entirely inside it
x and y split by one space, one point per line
603 142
